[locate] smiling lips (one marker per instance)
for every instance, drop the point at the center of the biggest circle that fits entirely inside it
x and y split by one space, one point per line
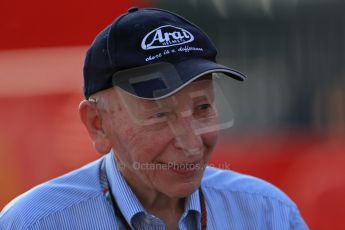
183 169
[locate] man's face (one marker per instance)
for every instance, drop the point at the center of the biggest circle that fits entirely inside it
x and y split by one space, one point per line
162 145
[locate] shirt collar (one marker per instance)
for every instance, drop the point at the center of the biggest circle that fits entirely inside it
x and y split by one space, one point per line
128 202
193 202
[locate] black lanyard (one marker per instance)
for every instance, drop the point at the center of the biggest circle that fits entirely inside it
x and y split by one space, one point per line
107 191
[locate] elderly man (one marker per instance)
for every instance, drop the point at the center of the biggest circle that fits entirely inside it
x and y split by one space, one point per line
150 107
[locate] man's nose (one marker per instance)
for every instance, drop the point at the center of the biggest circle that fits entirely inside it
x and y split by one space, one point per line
186 137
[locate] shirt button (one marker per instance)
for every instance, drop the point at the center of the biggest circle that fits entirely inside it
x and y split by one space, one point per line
147 220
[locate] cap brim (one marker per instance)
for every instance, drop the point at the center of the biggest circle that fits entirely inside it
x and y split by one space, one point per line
161 80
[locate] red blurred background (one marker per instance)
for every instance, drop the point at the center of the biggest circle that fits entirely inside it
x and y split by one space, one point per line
41 55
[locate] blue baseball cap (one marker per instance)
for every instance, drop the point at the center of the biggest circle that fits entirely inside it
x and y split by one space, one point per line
151 54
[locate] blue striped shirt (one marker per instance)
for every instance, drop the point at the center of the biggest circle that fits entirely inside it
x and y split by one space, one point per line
76 201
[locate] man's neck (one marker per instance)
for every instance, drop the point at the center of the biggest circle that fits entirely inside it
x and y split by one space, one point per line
153 200
168 209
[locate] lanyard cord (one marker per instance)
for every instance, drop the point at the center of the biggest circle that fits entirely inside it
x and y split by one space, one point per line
109 195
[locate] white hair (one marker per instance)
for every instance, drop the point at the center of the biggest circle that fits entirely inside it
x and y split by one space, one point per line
104 99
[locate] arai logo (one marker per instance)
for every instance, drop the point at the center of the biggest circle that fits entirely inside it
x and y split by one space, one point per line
166 36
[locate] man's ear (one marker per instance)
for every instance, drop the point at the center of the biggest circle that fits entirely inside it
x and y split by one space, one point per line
92 120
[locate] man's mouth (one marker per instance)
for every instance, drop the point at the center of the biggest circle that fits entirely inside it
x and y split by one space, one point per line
183 168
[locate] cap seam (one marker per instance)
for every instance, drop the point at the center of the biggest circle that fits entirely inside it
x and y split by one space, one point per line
113 63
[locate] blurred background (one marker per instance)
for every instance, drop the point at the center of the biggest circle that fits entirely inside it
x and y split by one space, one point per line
290 113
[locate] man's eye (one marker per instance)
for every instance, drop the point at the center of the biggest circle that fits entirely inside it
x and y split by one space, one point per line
160 115
156 118
204 111
203 106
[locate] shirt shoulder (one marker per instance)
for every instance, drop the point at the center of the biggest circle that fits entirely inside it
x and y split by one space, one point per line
70 190
251 202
